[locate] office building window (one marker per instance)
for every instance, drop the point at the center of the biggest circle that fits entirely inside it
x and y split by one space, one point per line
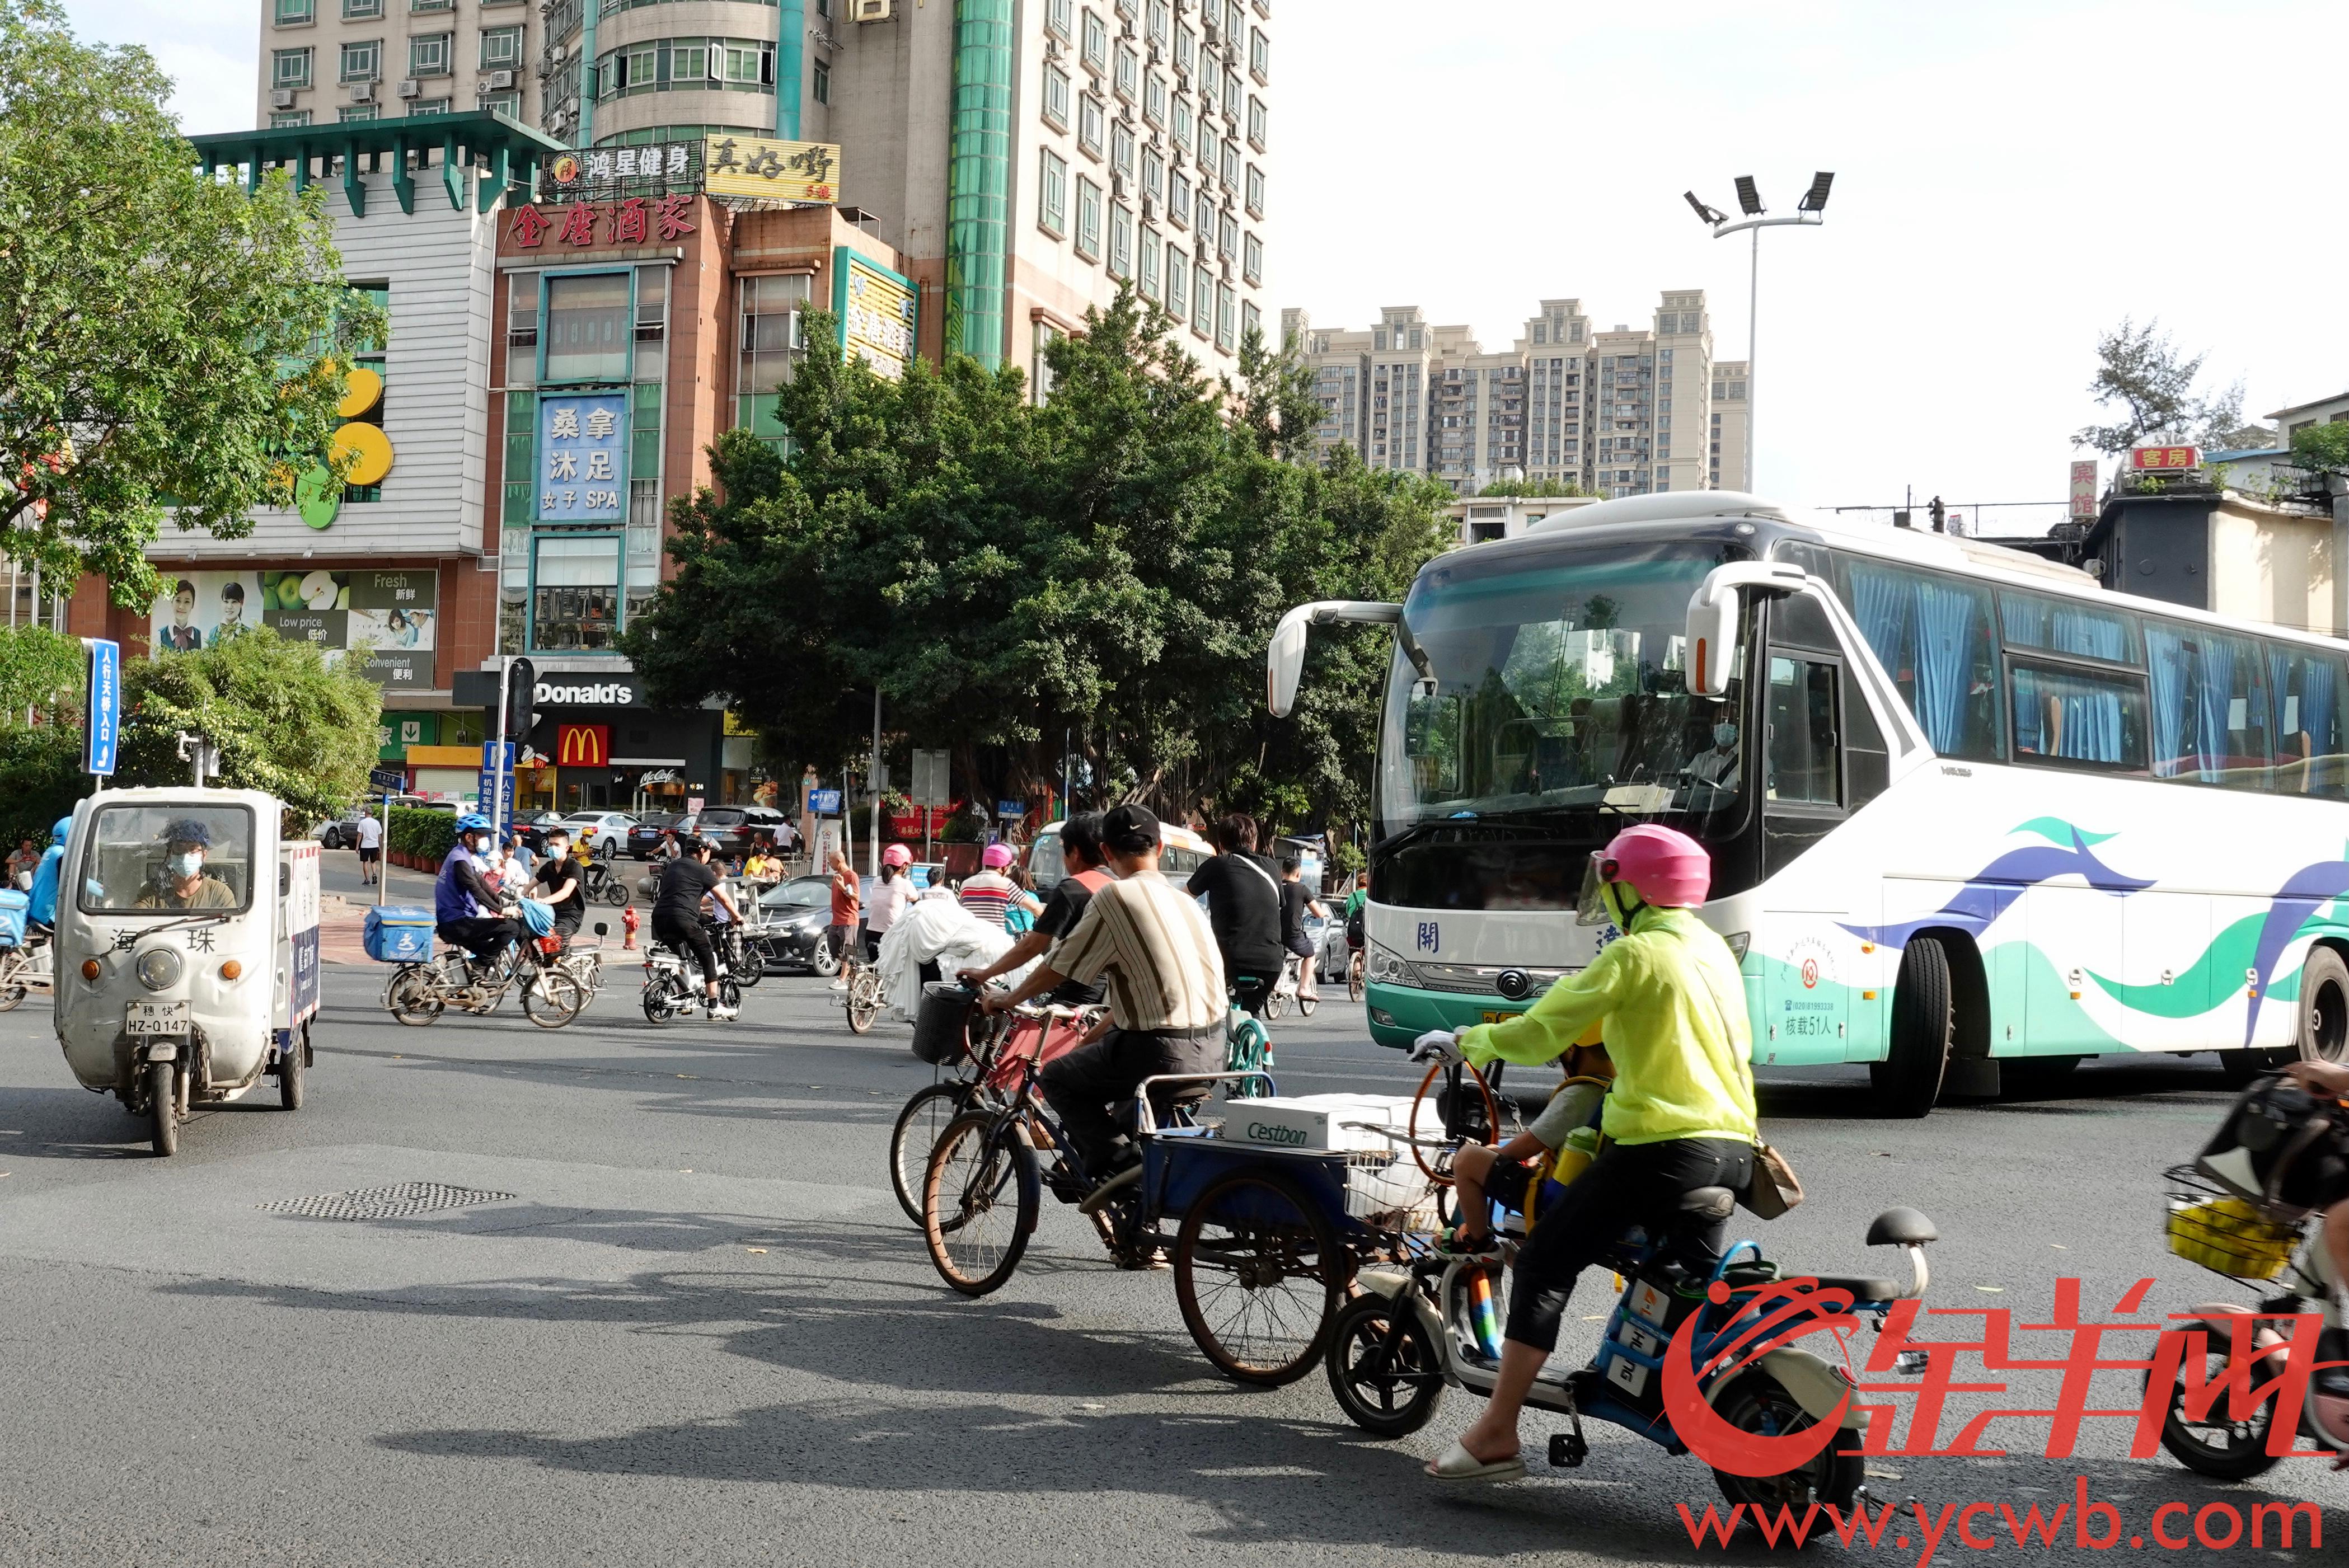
289 68
1089 124
1096 44
1121 240
1185 49
574 591
1153 98
362 10
1178 198
1178 275
1057 14
1052 193
355 113
589 332
1043 335
1251 319
1259 54
501 47
363 62
420 108
1255 201
432 5
1227 236
1121 149
1202 302
1154 175
506 103
773 340
296 13
1226 318
1182 123
1056 98
1150 263
1230 166
1256 123
427 55
1159 21
1089 219
1129 73
289 116
821 87
1252 259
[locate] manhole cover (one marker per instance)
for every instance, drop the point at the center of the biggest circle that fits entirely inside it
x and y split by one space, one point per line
385 1203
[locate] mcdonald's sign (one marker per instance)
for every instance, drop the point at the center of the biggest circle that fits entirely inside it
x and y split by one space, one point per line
583 745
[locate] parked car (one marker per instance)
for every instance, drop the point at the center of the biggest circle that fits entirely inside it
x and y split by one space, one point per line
342 832
601 832
736 828
533 826
645 835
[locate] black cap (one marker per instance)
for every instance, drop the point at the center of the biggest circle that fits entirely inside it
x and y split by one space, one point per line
1129 829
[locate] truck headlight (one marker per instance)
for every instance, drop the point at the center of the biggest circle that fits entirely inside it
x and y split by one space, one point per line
158 969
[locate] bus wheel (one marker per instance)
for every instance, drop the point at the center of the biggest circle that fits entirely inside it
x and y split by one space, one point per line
2324 1007
1924 1024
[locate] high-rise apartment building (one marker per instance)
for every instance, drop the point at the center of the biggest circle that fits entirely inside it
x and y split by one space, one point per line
1026 157
1621 411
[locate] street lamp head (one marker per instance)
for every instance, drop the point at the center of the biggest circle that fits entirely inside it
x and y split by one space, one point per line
1705 214
1815 200
1748 197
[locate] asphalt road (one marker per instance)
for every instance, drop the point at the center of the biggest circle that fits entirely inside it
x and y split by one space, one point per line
691 1326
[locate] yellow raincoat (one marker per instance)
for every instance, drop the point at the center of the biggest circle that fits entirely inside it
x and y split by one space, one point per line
1674 1008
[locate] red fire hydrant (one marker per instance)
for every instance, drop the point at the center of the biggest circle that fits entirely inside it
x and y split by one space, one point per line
628 926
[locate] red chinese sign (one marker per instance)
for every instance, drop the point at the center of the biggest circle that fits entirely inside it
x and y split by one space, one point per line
634 222
2156 459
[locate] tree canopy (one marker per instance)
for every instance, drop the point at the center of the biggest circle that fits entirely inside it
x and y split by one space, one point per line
2142 374
1108 566
168 333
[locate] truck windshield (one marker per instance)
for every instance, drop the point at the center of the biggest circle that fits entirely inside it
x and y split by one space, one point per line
1553 690
167 859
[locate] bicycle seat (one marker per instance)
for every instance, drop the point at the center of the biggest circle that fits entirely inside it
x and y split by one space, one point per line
1865 1287
1706 1205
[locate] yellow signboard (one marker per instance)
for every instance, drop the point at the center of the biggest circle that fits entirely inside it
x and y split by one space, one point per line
876 310
756 166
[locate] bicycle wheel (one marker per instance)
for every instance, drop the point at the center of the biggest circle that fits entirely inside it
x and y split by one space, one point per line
1259 1273
863 1001
916 1134
1305 1005
410 997
743 962
552 998
1358 984
979 1198
1275 1004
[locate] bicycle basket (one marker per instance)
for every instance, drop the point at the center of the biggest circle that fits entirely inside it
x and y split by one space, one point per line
2209 1226
939 1028
1389 1193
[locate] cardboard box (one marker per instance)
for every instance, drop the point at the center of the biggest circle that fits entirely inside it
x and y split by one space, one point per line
1317 1120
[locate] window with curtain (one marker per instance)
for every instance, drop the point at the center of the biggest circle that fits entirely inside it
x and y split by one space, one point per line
1934 637
575 592
2304 691
2211 708
588 327
2077 716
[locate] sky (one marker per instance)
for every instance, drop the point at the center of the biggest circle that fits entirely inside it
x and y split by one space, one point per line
2012 180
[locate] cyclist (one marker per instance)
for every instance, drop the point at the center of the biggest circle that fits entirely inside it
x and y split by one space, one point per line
676 913
1296 903
891 894
1166 996
561 878
1680 1115
41 908
464 896
1243 894
1356 936
991 895
1081 850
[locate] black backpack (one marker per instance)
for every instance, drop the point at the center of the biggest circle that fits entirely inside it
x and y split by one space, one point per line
2280 1149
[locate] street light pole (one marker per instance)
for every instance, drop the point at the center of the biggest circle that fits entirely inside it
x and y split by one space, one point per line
1809 213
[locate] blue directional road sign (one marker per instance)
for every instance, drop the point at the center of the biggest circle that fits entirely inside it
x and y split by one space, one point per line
824 802
390 780
497 782
102 734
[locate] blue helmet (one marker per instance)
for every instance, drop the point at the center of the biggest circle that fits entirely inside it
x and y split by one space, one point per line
57 833
472 822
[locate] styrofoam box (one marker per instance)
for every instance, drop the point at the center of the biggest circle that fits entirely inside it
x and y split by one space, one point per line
1316 1121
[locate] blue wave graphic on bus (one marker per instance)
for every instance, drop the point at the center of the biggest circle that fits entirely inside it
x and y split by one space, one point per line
1991 891
2302 894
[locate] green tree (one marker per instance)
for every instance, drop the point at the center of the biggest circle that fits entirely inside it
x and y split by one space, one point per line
40 731
2141 373
1542 487
40 675
165 330
2323 448
285 720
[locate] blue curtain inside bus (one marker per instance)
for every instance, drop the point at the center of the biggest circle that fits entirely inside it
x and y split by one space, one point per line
1927 632
2166 661
2086 715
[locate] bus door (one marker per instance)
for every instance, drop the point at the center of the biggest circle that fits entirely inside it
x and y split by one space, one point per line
1822 756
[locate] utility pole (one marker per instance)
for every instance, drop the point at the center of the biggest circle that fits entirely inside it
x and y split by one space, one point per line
875 782
1811 209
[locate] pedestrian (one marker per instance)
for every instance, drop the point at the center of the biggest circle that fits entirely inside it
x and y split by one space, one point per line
22 863
370 834
846 903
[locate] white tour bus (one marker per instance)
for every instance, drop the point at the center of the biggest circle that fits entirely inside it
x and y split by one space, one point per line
1968 812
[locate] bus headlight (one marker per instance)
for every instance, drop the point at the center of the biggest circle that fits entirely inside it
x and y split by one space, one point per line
1389 968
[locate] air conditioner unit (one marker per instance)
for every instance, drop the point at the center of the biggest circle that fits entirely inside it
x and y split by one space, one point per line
1149 211
1208 33
1155 53
281 97
363 92
1053 49
873 10
411 88
1116 186
496 82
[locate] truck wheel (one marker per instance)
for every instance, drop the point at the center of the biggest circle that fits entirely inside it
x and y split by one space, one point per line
163 1107
289 1074
1924 1028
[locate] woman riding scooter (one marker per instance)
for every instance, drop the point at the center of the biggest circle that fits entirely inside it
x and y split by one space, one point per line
1680 1116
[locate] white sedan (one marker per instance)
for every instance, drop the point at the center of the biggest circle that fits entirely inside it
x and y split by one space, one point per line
602 833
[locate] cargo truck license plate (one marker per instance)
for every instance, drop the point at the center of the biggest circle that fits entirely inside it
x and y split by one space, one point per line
155 1019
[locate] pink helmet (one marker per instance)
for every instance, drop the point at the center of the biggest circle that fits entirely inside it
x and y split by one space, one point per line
896 855
995 856
1664 867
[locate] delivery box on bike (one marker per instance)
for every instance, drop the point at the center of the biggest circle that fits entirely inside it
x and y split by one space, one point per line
398 932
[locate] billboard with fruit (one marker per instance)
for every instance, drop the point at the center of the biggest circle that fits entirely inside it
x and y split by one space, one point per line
391 614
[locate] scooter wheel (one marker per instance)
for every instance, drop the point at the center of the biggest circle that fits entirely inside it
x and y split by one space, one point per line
1757 1403
616 896
2216 1446
1383 1368
163 1107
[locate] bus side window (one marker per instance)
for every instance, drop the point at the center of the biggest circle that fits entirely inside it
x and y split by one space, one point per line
1802 740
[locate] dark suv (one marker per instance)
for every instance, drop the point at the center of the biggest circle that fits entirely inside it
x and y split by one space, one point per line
735 827
645 836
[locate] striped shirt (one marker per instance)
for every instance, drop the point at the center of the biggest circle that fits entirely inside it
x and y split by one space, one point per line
987 896
1154 947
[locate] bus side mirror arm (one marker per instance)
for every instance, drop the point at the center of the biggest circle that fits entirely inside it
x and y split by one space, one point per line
1284 661
1713 619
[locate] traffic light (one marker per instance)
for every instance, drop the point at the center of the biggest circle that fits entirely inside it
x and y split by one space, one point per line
522 692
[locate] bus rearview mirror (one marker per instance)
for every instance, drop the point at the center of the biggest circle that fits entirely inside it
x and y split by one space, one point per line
1712 639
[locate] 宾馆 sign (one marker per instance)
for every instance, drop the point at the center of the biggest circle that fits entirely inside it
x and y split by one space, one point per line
2084 492
2160 459
767 170
582 459
876 310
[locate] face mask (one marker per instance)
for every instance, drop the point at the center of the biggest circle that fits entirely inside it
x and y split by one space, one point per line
182 867
1725 736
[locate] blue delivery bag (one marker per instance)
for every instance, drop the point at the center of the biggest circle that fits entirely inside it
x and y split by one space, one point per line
13 905
400 932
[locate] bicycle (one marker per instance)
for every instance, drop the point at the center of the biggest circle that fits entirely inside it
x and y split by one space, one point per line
551 997
864 994
989 1061
1357 976
1288 989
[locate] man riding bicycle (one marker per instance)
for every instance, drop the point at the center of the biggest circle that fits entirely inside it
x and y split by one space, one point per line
1243 892
561 882
1679 1117
464 896
1165 996
676 913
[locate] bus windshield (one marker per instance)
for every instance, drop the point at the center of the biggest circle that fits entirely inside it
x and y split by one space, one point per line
1553 687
